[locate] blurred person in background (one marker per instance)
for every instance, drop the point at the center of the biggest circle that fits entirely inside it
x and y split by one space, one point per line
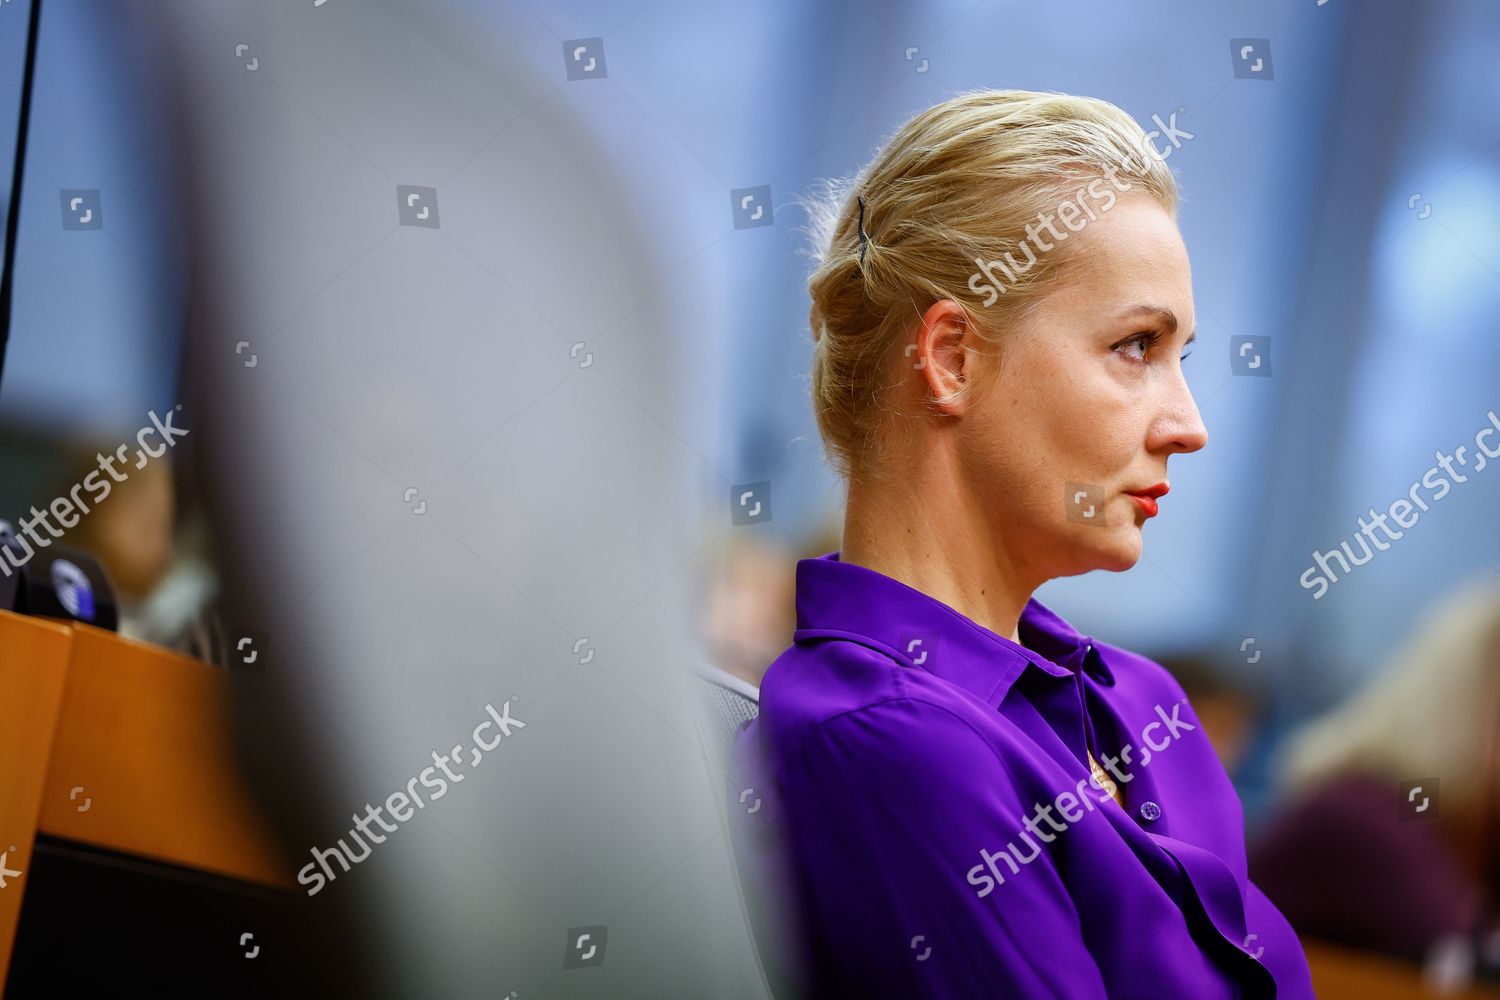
1389 840
748 616
1228 708
750 611
164 585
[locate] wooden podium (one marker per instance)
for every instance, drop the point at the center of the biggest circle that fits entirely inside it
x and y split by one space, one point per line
119 746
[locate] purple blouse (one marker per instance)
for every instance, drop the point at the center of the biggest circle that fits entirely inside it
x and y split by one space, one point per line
913 814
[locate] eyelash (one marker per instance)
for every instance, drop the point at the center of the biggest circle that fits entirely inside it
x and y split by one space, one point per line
1150 339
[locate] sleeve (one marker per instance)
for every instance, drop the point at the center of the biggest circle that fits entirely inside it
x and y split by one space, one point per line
901 810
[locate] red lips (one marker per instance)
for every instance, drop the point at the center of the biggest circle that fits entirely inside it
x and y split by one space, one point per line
1146 498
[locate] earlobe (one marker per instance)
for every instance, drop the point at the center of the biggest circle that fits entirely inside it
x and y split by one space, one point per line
948 392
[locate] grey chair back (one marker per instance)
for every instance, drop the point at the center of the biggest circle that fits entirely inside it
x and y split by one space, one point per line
725 703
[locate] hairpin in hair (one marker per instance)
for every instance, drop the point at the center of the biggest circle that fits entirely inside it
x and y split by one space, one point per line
862 241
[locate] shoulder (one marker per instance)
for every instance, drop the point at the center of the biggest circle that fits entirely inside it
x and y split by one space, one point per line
837 699
850 741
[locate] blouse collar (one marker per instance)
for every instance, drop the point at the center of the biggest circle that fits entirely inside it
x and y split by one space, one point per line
846 600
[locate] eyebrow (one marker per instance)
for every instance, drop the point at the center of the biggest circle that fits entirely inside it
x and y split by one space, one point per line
1168 318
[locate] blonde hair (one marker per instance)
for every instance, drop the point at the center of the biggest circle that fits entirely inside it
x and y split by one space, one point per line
956 183
1431 712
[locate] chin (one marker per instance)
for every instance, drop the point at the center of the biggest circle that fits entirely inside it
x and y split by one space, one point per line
1115 552
1118 551
1127 552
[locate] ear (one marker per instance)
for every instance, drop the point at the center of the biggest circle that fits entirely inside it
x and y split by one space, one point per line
943 342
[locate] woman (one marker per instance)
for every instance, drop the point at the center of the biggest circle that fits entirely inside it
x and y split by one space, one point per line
949 790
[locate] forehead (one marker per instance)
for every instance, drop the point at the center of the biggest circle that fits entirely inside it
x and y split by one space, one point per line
1129 254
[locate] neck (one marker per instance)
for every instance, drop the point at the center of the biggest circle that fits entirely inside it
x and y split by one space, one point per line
938 540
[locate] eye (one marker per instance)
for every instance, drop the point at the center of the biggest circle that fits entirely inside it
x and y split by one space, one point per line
1146 340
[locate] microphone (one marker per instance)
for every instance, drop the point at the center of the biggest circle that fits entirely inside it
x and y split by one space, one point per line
55 581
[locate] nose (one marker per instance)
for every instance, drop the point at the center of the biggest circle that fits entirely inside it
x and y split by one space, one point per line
1178 427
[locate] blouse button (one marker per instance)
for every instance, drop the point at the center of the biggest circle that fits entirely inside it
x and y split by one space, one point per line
1150 811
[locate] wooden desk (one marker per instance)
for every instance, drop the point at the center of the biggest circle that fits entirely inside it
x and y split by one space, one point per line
33 667
117 744
1342 973
145 733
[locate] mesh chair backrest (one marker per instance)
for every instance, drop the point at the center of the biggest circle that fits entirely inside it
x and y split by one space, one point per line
725 704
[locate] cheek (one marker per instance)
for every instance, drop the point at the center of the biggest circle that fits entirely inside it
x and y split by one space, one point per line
1054 419
1099 441
1087 428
